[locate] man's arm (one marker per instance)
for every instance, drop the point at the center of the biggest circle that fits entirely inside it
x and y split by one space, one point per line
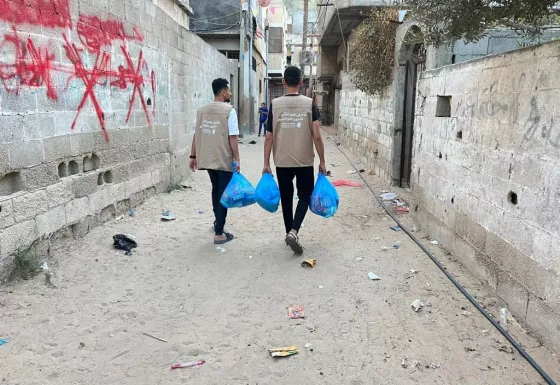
267 151
193 162
318 140
233 131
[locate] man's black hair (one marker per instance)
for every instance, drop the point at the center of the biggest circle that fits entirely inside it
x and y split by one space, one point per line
292 76
218 85
263 104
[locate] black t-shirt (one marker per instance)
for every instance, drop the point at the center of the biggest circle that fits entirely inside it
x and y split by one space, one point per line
315 112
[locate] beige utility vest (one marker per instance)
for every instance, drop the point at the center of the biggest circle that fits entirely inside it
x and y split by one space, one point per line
213 150
292 130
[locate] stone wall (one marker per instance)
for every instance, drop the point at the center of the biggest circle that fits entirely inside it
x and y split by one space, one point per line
366 125
486 175
98 107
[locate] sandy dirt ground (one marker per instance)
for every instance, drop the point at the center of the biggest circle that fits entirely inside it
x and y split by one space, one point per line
229 308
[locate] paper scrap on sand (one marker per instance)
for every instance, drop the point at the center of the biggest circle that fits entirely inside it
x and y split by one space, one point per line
296 312
309 263
283 352
373 277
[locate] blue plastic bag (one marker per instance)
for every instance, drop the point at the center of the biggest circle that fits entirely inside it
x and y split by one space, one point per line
324 200
268 194
238 193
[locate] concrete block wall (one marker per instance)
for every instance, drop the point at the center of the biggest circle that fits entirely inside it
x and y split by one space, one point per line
98 105
366 125
486 177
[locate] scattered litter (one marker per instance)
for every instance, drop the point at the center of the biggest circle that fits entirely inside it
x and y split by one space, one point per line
296 312
467 313
200 211
404 364
329 174
385 248
252 142
433 366
166 215
119 218
82 345
309 263
3 342
351 172
45 266
307 345
124 242
348 183
188 364
402 209
414 229
373 277
435 243
359 259
396 246
221 249
185 184
337 141
321 287
417 305
155 338
362 171
283 352
504 315
396 228
335 164
132 213
412 271
250 257
359 162
389 196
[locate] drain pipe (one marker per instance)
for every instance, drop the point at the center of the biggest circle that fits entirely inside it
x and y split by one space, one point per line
463 291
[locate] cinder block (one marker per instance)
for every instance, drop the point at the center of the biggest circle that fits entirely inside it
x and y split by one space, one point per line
146 181
117 193
84 185
77 210
4 159
6 213
57 147
51 221
40 176
544 321
60 193
82 144
18 237
11 128
98 201
513 293
26 154
132 186
29 205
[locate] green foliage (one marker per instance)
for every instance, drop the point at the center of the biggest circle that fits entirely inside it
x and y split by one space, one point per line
26 263
372 56
449 20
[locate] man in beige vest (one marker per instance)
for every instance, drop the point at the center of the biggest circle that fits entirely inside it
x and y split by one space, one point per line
215 147
293 128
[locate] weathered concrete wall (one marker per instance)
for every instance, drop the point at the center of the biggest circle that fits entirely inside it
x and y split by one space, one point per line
366 125
98 107
486 178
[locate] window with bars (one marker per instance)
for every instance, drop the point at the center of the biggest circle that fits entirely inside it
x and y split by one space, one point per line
231 54
254 64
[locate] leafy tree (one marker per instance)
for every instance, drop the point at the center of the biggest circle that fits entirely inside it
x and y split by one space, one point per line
449 20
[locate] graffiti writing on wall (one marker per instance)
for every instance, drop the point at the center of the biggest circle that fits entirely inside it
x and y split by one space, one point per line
535 126
34 65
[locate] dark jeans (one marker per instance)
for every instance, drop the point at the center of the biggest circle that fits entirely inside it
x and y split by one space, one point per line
261 125
220 180
305 181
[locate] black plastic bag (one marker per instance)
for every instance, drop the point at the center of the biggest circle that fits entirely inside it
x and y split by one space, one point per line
124 242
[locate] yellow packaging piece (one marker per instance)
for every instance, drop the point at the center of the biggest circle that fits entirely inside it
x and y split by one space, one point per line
283 352
309 263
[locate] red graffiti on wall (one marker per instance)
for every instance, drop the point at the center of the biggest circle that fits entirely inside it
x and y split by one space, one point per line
46 13
95 33
90 78
34 66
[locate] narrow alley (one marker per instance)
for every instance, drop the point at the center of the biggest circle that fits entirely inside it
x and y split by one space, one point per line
228 308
